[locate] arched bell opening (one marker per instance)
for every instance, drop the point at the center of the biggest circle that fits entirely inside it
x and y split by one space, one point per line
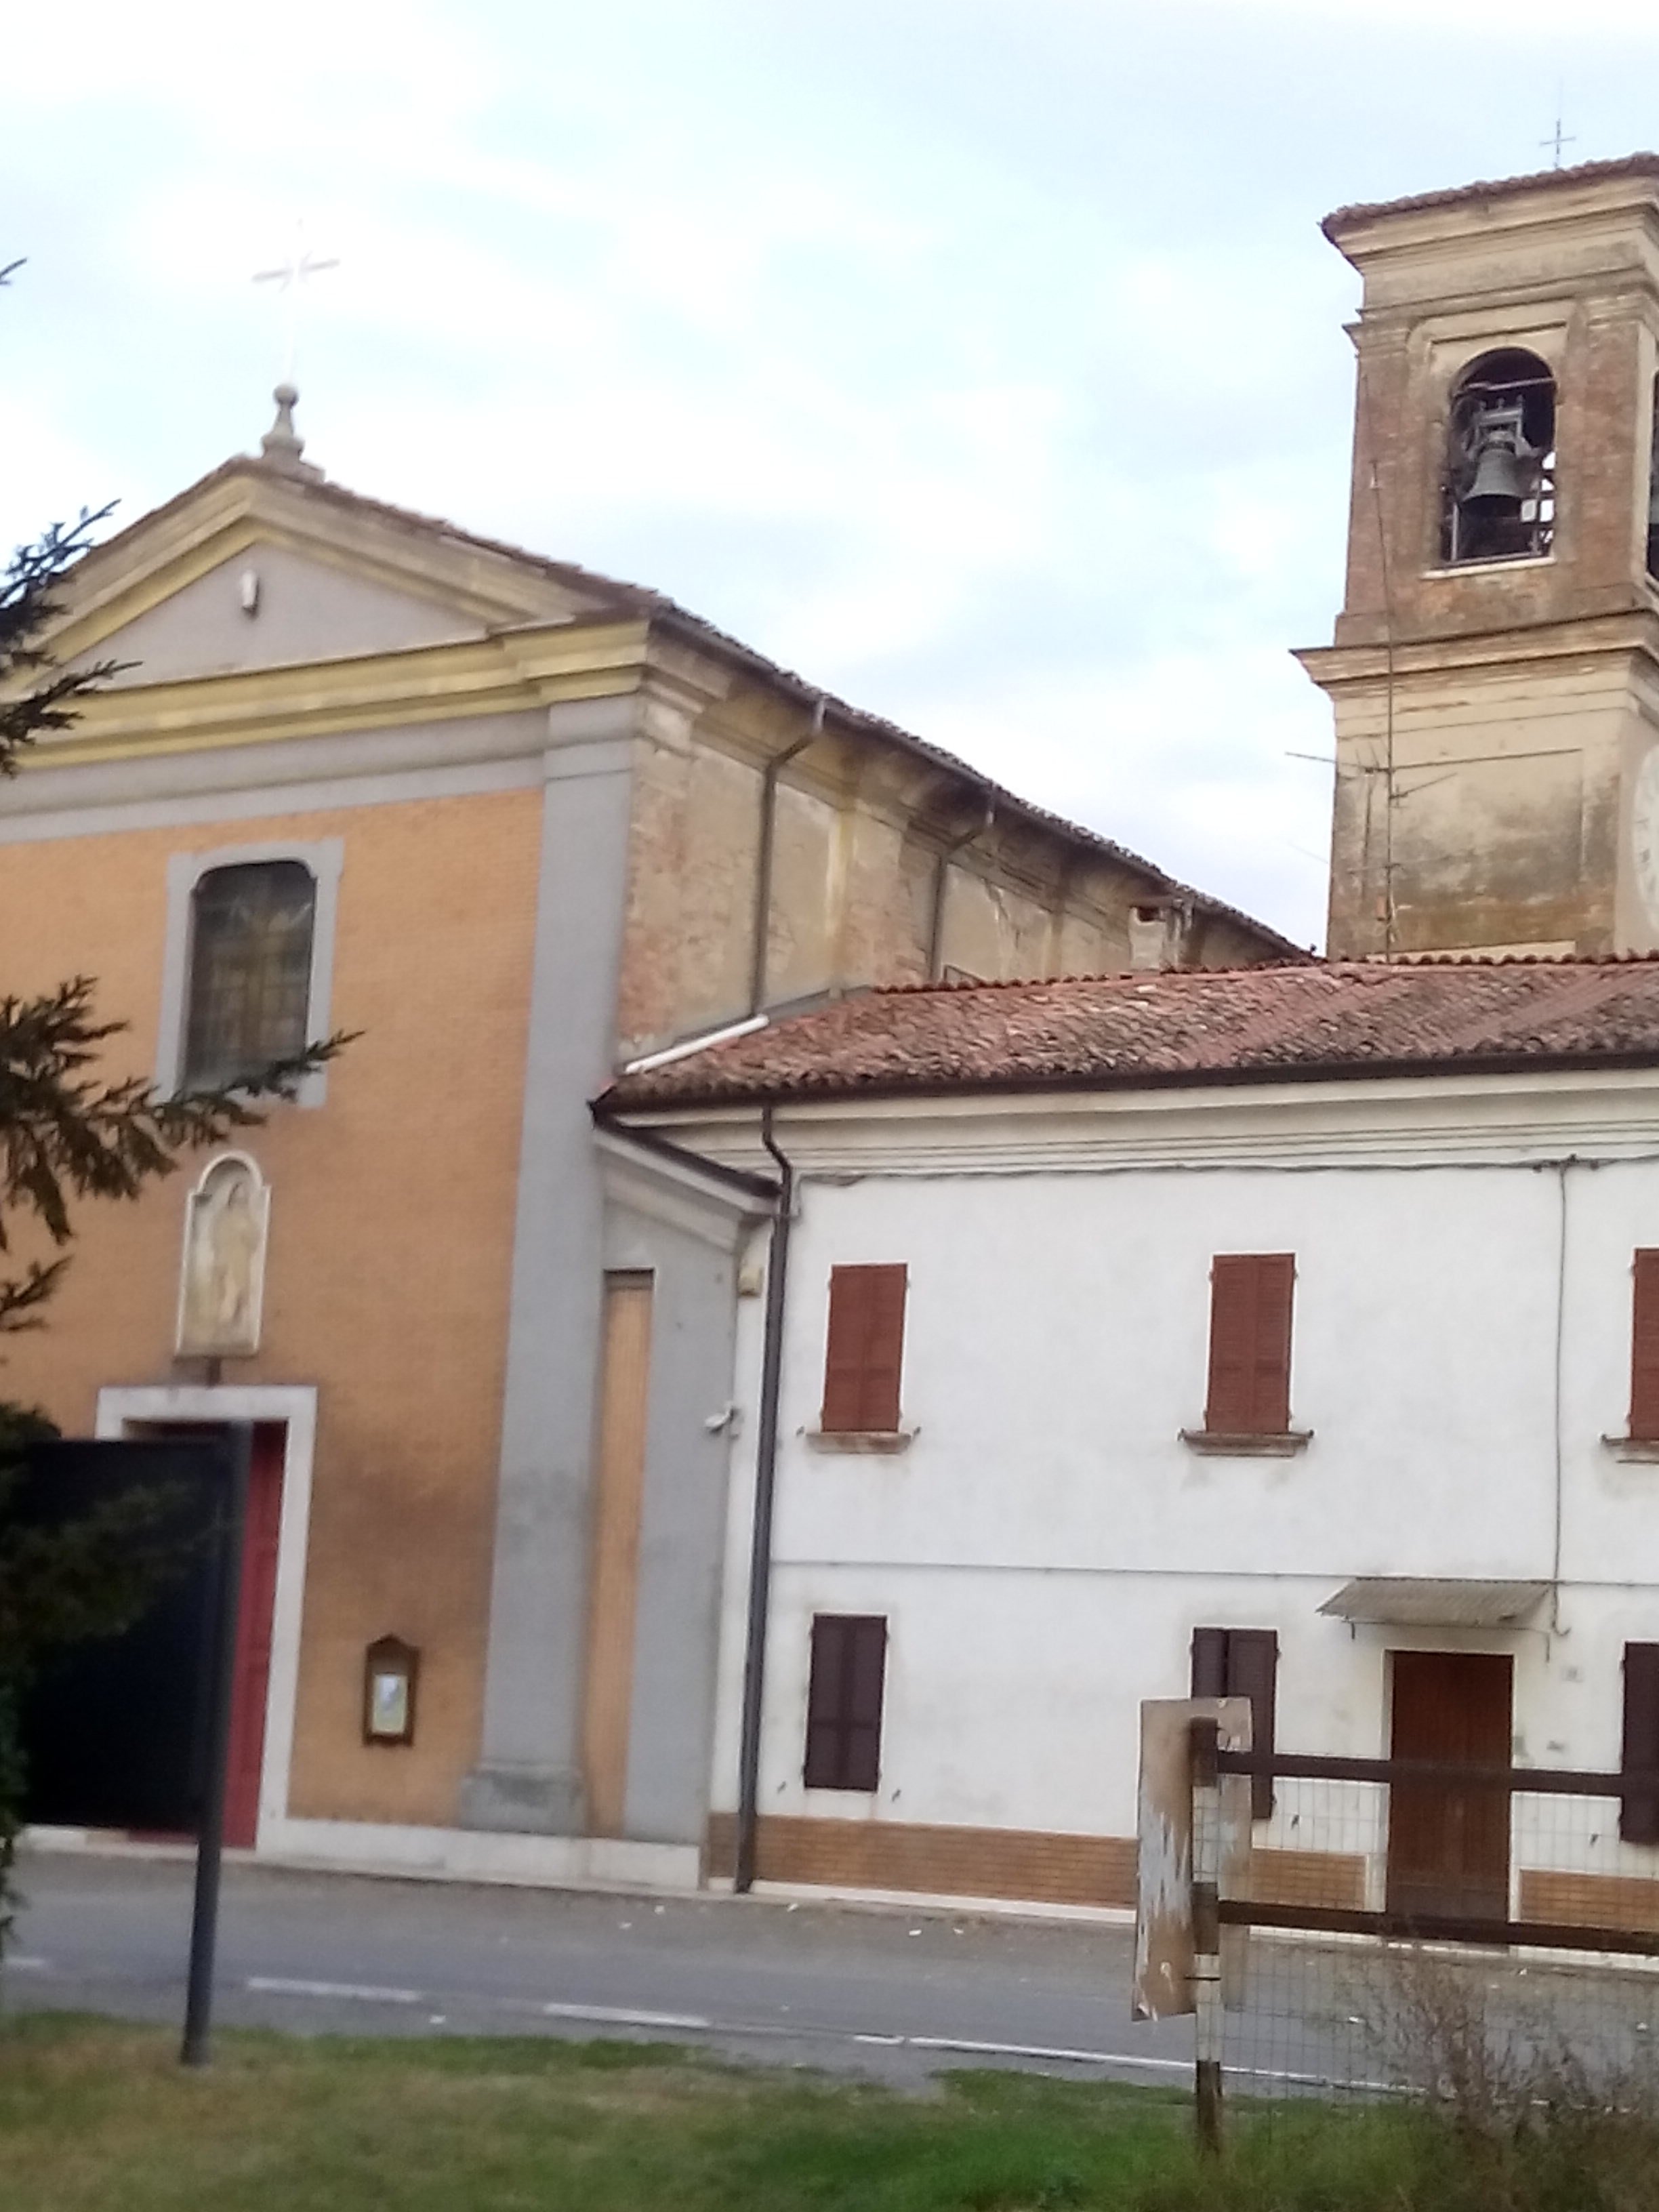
1499 499
1653 488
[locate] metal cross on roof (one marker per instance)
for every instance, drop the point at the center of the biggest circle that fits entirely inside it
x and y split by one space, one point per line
1559 138
291 277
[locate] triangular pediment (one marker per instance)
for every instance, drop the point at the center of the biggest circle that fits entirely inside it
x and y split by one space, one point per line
257 567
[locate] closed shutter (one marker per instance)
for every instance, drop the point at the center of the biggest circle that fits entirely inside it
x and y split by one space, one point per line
1644 1347
1209 1662
1638 1810
1253 1673
866 1676
1271 1376
865 1353
1250 1295
1243 1663
844 1701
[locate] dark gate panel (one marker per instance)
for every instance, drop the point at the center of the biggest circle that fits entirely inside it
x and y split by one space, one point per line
1449 1844
114 1729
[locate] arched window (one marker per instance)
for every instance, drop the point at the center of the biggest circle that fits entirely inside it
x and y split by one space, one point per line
1653 490
250 969
1498 502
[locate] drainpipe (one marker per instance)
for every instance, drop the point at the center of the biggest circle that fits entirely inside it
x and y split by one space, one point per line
941 872
760 1549
761 926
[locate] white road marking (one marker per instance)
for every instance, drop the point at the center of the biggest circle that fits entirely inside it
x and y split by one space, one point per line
700 2024
1040 2050
624 2017
24 1964
279 1985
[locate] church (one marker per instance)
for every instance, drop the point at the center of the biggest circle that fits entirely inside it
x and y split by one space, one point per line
740 1322
516 827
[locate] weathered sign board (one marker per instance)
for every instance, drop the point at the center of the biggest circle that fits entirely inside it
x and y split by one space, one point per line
1163 1906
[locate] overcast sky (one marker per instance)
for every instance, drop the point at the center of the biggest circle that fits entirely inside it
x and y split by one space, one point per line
980 359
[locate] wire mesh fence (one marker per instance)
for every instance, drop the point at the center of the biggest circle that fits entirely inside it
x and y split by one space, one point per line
1482 1940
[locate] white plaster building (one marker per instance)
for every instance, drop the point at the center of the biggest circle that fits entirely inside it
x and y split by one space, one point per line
1460 1162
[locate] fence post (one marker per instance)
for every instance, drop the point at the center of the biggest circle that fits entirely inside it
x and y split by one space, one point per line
1206 1935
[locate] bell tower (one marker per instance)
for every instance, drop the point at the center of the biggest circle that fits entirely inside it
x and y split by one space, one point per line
1495 672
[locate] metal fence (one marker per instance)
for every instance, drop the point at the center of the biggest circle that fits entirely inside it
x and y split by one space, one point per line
1407 1928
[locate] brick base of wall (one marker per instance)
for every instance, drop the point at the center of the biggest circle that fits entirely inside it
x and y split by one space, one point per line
1321 1878
1589 1901
1030 1865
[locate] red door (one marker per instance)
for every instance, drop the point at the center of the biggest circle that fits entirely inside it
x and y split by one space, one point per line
254 1613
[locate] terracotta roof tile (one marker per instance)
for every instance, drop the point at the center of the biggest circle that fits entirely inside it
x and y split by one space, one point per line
1582 172
1316 1019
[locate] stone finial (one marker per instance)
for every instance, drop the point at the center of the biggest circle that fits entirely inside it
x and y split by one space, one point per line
281 447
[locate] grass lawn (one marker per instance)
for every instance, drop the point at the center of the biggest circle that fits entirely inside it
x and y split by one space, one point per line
96 2116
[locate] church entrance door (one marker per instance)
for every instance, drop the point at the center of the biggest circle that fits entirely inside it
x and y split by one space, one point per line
255 1618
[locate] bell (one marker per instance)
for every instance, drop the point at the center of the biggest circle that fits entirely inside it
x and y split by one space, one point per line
1497 487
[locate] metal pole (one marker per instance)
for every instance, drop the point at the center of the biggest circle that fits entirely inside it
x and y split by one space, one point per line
1206 1937
210 1837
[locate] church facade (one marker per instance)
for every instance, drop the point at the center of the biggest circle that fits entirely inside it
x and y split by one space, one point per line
513 826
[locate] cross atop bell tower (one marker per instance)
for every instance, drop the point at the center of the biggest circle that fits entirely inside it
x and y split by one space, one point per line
1495 671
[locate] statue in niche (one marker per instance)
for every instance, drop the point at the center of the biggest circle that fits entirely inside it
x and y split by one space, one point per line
223 1284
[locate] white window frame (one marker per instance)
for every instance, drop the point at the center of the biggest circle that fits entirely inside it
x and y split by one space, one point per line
322 858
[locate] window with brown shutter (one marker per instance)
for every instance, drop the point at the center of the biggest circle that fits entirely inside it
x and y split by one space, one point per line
1250 1393
1243 1663
843 1700
1638 1809
865 1352
1644 1347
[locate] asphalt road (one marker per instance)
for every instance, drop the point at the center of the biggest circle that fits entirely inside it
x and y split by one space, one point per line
895 1994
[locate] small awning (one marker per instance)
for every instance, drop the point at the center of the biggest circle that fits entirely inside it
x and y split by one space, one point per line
1408 1601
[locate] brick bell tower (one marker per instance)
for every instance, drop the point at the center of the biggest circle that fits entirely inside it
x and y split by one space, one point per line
1495 672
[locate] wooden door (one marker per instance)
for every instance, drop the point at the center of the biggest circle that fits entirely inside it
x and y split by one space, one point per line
1448 1842
255 1616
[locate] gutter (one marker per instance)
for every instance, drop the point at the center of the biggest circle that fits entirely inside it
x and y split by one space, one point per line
1153 1078
760 1548
648 1140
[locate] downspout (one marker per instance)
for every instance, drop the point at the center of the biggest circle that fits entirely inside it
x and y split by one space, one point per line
941 875
761 926
1562 1168
760 1548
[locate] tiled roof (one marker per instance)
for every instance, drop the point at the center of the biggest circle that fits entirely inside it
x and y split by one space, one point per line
616 597
1247 1025
1583 172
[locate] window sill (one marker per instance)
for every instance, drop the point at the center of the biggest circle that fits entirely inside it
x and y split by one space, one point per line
1215 1443
1488 564
858 1440
1633 1448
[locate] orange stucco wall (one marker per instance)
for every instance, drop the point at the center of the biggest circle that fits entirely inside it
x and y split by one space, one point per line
390 1239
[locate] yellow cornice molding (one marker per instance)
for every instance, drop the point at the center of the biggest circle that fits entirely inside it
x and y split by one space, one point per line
515 672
